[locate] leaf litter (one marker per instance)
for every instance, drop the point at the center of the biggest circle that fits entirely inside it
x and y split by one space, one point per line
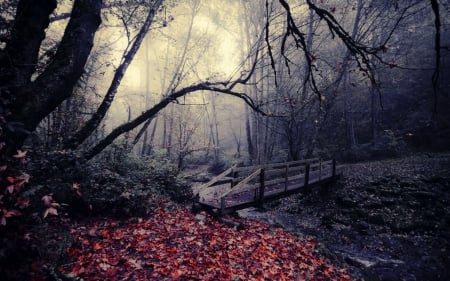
173 245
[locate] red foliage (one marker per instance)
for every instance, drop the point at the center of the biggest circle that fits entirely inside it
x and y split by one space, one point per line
10 186
173 245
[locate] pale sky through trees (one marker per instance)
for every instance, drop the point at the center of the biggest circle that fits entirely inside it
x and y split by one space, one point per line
214 51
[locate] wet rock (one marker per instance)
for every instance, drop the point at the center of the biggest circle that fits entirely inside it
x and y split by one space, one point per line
200 218
357 261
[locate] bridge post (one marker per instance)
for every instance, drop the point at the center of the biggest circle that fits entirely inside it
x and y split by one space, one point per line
261 188
222 205
234 174
306 174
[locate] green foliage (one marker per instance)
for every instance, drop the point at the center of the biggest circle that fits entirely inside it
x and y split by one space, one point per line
199 158
217 166
130 185
386 145
216 163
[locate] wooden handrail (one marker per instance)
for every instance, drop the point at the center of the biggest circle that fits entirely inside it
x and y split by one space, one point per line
304 172
272 177
241 184
273 165
217 178
281 168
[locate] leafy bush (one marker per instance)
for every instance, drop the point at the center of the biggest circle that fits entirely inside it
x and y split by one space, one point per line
387 145
217 167
131 185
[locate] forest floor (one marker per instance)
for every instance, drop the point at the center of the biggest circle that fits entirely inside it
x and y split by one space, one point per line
388 220
383 220
171 243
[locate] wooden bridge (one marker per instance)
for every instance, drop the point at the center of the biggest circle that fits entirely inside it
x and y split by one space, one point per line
242 187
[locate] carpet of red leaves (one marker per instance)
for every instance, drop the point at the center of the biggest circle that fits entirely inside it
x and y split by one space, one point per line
174 245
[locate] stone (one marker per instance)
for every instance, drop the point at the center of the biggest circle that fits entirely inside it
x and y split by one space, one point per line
200 218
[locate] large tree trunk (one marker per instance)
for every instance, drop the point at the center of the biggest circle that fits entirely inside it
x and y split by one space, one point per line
19 59
33 101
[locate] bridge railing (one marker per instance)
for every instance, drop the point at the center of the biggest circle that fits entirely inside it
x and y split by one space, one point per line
236 174
282 176
256 182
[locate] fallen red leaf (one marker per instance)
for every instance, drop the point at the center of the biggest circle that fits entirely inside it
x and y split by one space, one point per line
172 245
11 179
97 246
177 274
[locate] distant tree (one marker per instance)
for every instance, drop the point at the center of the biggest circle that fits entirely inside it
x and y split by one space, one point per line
32 87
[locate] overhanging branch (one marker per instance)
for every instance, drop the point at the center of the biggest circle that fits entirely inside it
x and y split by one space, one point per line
300 42
218 87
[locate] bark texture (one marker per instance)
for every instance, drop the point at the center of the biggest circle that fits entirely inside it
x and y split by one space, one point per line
34 100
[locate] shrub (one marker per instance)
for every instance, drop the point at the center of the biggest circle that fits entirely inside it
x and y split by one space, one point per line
131 185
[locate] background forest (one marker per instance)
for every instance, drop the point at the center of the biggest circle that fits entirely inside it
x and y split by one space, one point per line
359 89
108 104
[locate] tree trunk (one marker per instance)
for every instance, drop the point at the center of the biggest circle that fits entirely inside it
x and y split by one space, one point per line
348 107
19 59
374 112
248 133
348 115
152 137
215 129
144 129
36 100
170 132
92 124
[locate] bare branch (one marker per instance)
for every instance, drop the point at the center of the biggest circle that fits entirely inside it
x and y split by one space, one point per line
300 41
218 87
269 47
